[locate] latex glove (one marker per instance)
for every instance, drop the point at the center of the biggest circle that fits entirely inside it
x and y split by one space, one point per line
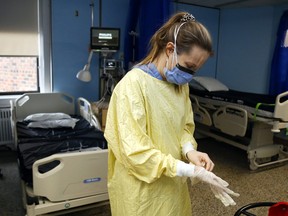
200 159
218 186
223 195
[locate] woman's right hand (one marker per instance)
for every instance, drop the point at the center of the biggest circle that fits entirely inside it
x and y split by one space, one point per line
200 159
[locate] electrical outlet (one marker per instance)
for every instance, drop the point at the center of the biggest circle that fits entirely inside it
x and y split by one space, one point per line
76 13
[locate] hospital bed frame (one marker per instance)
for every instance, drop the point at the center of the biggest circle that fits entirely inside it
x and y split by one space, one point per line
80 179
229 124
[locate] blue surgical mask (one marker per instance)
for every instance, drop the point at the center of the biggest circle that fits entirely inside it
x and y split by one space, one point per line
179 75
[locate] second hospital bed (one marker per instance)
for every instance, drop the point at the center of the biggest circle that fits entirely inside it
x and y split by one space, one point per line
245 120
62 167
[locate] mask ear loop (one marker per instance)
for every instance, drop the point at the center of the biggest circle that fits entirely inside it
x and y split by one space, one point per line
167 63
176 31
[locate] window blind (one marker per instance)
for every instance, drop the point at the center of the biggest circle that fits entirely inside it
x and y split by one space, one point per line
18 28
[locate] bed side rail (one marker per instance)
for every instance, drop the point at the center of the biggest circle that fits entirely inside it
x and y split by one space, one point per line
13 123
201 114
231 120
86 112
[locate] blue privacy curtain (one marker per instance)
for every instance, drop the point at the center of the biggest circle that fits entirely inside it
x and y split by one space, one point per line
279 66
144 18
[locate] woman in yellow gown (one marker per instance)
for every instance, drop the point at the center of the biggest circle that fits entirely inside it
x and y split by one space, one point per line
150 126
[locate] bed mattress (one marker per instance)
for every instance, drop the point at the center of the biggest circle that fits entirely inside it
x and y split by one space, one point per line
37 143
260 104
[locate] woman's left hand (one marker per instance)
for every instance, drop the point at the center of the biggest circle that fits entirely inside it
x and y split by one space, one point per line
200 159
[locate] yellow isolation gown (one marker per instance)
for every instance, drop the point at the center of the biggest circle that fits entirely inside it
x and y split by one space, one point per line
147 123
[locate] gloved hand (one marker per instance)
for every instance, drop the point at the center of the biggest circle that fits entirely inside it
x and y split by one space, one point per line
218 186
200 159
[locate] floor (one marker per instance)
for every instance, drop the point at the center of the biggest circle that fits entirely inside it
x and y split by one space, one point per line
231 165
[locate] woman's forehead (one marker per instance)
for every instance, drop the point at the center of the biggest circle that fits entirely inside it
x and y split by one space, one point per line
196 53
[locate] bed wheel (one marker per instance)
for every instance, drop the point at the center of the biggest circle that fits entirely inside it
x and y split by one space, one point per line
32 200
252 165
255 163
275 157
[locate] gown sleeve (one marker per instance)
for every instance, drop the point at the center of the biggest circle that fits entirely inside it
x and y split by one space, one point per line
189 127
127 137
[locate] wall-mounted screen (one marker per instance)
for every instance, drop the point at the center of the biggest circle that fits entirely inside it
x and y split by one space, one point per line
105 38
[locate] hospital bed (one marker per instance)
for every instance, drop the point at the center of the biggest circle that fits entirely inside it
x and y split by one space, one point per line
62 167
245 120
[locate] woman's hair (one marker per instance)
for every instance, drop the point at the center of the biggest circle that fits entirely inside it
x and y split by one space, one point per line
190 33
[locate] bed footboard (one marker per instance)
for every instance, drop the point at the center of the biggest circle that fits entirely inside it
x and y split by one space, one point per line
281 107
77 175
281 112
79 180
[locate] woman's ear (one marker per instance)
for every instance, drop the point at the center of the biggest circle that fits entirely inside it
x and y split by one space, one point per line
169 48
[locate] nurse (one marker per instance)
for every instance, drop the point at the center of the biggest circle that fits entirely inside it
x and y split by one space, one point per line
150 127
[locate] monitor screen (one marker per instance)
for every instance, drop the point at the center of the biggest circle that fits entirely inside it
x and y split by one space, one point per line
105 38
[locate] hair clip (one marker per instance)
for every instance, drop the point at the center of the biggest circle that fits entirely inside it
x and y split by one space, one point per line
186 17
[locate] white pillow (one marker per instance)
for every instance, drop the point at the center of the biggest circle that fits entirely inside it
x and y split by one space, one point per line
195 85
210 83
46 116
54 123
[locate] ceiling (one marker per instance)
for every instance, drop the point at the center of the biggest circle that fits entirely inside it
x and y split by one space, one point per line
233 3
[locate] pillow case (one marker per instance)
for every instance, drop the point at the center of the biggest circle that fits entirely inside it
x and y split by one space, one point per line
59 123
210 83
195 85
47 116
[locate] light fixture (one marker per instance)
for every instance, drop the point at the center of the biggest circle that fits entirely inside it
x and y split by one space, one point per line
85 74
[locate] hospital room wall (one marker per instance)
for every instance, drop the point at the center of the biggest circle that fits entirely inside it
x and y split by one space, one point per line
247 38
71 22
243 41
